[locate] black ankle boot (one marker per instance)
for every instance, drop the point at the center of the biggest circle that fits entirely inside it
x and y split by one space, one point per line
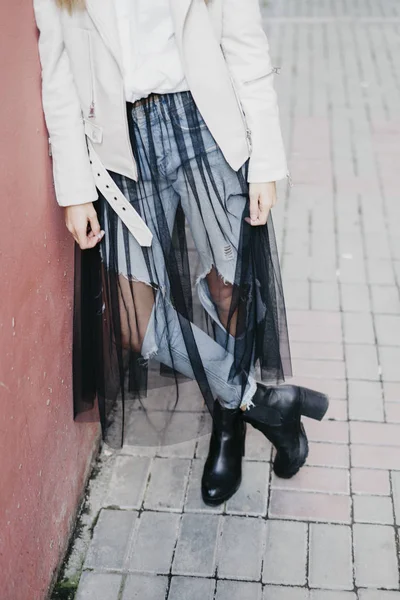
222 473
277 414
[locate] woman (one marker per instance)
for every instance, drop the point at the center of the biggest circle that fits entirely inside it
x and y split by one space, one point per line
166 146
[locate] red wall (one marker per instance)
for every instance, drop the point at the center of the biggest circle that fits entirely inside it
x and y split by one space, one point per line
44 455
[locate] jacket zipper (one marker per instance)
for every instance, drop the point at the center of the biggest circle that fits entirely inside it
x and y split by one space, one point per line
243 114
92 108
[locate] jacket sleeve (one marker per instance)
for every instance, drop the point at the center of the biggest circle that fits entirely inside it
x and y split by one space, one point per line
73 179
246 49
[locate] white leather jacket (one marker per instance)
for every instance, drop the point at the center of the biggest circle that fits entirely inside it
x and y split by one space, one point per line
227 64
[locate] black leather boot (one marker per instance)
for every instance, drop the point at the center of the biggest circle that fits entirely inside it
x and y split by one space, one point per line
277 414
222 473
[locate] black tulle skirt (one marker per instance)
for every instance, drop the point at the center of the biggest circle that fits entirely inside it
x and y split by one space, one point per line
161 333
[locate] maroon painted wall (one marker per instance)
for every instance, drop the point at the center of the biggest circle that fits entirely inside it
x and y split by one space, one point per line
44 454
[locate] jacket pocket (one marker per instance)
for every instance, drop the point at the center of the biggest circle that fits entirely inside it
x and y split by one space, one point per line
274 70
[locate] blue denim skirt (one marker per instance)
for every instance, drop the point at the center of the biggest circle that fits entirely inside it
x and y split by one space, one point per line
197 317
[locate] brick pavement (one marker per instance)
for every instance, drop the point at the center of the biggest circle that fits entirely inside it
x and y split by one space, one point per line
331 532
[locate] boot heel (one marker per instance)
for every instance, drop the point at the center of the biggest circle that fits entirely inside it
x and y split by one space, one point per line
313 404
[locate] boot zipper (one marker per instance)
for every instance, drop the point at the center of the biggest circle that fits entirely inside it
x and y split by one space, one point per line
92 109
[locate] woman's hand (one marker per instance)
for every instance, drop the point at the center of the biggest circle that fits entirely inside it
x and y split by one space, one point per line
262 199
81 220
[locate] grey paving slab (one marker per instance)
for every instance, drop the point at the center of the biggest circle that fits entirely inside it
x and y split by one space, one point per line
109 544
375 556
285 557
330 564
378 595
285 593
98 586
128 482
331 595
395 478
196 547
145 587
194 588
168 481
373 509
154 542
241 548
252 496
238 590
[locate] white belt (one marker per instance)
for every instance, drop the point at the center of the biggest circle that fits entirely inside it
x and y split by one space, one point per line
111 192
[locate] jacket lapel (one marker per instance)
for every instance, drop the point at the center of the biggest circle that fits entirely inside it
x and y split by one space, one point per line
104 16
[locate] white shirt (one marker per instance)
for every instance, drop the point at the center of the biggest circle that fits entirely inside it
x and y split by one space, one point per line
150 54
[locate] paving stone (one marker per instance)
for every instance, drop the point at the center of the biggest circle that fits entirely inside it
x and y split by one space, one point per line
331 595
396 495
385 299
311 507
373 509
358 328
110 539
324 296
375 556
392 411
309 326
370 482
181 450
98 586
375 457
330 557
389 358
285 555
128 482
317 351
366 401
378 595
362 362
355 297
325 369
377 434
238 590
194 501
285 593
257 446
326 431
252 496
167 485
195 550
241 547
337 410
380 272
315 479
143 587
154 542
297 294
183 588
387 329
391 392
328 455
